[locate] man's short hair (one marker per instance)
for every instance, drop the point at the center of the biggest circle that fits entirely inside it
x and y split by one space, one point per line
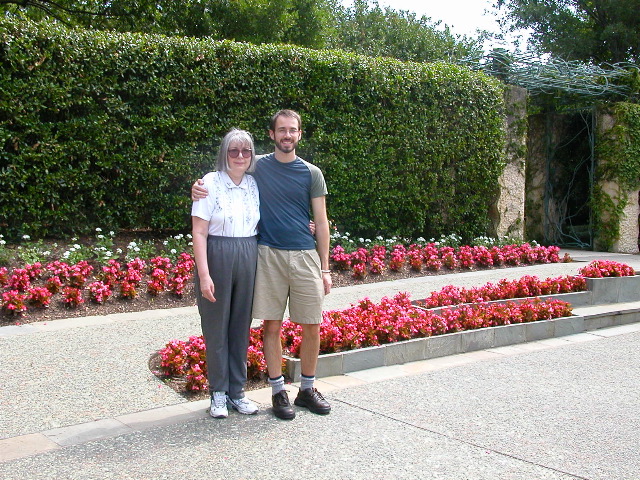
285 113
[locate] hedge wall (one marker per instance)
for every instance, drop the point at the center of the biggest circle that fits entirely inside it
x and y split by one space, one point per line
109 130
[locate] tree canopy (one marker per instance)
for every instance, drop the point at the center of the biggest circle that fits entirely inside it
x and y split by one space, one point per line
594 31
364 28
369 30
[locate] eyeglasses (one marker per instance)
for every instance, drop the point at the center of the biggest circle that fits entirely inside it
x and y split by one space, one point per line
291 131
235 152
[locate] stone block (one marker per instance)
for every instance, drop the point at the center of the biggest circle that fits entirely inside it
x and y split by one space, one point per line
629 289
330 365
625 318
594 322
406 351
605 290
539 330
443 345
504 335
362 359
481 339
576 299
568 326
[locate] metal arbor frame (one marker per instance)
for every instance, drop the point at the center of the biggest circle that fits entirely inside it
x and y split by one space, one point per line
576 87
553 75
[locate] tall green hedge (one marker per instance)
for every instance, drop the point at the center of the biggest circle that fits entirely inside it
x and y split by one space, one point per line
110 130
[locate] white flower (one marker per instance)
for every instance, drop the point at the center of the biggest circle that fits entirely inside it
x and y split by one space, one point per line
98 229
173 251
26 237
112 233
100 237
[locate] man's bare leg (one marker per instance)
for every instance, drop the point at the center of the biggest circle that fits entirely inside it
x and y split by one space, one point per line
308 396
272 347
309 349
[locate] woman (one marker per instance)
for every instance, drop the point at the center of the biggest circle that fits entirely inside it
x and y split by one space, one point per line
225 247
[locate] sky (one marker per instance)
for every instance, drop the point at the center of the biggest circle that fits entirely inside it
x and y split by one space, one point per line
463 17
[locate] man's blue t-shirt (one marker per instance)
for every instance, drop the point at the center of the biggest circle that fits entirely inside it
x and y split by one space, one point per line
286 190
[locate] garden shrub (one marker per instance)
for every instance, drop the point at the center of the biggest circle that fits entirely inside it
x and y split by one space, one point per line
99 129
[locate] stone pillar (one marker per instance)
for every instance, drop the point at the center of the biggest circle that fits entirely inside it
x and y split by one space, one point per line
628 222
628 241
507 214
536 179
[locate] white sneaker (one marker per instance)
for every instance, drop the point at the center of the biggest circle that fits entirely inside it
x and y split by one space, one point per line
219 405
243 405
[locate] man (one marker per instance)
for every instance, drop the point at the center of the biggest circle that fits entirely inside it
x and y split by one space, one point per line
292 265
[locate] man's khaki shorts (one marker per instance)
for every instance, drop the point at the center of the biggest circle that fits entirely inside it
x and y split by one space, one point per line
288 274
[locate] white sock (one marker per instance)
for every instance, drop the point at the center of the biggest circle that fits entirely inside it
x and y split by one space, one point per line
277 384
306 382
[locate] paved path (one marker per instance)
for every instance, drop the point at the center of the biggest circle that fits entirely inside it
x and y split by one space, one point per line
78 401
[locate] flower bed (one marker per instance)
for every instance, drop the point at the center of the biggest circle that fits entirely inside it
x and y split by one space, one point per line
368 324
36 285
363 325
527 286
395 319
434 257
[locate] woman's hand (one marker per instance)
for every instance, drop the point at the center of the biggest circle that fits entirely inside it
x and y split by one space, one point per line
207 288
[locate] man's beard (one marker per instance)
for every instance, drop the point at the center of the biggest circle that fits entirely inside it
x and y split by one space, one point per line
286 148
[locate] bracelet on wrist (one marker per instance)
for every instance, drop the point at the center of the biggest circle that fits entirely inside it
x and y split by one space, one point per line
325 271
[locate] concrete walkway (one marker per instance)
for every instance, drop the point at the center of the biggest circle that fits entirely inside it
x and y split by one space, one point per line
78 402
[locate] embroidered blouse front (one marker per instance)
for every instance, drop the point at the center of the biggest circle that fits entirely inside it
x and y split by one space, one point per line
232 210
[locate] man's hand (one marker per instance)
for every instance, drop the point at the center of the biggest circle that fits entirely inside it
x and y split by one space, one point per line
198 191
327 282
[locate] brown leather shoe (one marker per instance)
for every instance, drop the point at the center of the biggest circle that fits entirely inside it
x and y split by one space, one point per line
281 406
313 400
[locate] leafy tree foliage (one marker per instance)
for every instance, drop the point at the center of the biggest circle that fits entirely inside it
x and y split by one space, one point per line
369 30
598 31
300 22
364 28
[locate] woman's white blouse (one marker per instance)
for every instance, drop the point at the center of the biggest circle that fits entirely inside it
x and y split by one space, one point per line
231 210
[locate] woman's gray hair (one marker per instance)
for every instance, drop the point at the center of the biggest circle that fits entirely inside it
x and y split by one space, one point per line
235 135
